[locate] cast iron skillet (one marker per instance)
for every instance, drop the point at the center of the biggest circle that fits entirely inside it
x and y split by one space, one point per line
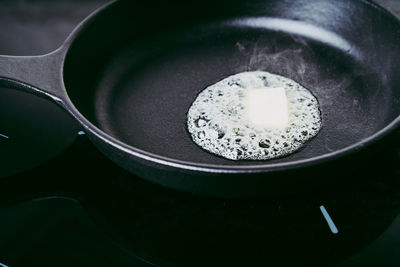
130 72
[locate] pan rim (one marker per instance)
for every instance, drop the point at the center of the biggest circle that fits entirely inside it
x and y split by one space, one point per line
224 169
215 168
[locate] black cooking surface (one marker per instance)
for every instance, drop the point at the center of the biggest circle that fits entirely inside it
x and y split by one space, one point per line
62 203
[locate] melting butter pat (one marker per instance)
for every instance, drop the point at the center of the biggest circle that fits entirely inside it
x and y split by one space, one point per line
242 117
268 107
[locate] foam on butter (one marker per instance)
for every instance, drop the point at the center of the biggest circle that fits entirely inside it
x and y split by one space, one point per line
253 116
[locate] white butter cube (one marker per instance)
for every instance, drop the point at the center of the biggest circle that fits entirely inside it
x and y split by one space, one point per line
268 107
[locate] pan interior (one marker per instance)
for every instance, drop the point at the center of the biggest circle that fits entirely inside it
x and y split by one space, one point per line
142 90
144 101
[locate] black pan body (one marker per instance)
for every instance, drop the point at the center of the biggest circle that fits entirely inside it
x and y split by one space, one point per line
134 69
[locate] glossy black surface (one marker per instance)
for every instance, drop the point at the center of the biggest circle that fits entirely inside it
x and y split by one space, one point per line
128 216
33 130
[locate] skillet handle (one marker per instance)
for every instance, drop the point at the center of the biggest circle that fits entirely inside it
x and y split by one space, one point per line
39 75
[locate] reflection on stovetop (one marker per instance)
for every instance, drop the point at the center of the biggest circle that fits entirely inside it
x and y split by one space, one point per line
165 227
